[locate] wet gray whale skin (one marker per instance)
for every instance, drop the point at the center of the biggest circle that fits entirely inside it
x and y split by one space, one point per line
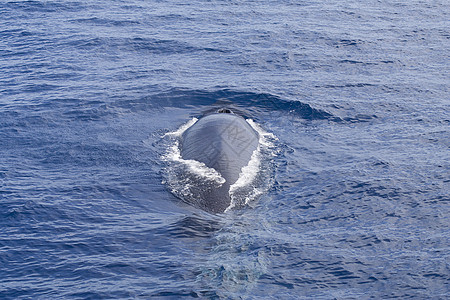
223 141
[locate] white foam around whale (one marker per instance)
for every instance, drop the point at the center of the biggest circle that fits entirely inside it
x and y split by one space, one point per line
196 168
251 183
182 129
249 173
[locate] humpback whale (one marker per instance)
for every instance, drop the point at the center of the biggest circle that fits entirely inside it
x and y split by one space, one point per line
225 142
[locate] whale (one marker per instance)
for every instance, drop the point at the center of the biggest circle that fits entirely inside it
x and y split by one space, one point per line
225 142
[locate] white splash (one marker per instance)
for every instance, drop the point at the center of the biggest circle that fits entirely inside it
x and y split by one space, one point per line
196 168
246 177
250 172
264 136
182 129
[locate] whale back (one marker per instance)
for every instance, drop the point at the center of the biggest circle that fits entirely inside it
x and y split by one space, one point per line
225 142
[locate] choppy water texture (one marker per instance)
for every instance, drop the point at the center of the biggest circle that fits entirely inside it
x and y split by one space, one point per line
357 93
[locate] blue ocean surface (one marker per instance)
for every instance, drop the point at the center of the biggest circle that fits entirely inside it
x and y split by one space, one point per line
355 94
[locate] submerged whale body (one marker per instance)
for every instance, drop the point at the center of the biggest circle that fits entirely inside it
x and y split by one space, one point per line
222 141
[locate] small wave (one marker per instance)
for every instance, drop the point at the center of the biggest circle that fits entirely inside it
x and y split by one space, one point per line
131 45
47 6
106 22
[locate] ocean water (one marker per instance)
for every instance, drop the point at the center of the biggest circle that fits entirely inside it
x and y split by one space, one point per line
356 196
